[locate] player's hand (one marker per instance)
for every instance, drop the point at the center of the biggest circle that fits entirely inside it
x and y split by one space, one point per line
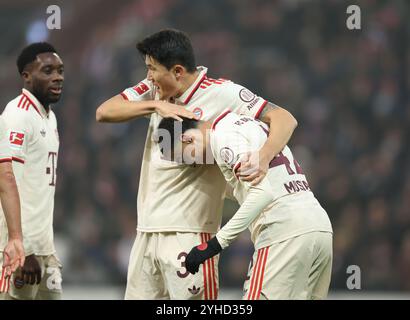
13 255
201 253
31 271
170 110
254 167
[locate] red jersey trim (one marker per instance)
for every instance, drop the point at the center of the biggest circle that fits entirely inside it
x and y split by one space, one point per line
260 109
5 160
124 95
219 118
195 89
18 160
32 104
21 100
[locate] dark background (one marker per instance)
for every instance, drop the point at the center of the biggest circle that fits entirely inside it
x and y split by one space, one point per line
348 89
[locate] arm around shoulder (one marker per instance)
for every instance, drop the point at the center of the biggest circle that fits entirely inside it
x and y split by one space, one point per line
119 109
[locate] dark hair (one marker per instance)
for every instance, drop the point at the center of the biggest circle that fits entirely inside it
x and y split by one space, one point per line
169 47
171 125
29 54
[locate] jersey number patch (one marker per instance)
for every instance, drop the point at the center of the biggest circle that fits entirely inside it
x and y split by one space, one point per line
186 273
281 159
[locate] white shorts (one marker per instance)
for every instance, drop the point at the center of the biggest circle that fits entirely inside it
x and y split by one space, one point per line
49 287
297 268
157 268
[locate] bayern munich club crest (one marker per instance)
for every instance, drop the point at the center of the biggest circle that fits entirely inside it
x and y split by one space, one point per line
198 112
227 155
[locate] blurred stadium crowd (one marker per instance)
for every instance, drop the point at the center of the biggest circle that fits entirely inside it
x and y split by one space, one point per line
349 91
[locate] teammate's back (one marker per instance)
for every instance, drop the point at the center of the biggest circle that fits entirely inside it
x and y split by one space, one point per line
293 209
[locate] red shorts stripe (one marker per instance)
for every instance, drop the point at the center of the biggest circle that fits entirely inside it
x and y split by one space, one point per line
4 282
214 278
208 265
264 259
254 275
258 275
210 274
204 271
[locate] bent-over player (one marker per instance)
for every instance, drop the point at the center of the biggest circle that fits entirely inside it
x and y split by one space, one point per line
291 232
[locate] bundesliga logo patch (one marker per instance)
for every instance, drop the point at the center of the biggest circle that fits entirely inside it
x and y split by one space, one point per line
141 88
16 139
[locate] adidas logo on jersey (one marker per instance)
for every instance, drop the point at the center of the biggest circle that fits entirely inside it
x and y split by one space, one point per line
43 132
194 290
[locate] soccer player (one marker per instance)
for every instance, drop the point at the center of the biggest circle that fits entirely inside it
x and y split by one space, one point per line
13 253
33 138
290 230
180 206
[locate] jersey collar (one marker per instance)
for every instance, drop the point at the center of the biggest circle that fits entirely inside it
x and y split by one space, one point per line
220 117
35 103
187 95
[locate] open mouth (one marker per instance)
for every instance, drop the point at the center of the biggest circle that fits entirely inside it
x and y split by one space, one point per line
56 90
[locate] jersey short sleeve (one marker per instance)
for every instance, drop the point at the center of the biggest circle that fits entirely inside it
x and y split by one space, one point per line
19 133
241 100
141 92
231 148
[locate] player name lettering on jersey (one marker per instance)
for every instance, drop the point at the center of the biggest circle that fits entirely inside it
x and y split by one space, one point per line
296 186
253 103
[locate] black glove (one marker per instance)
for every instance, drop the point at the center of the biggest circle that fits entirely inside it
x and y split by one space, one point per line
200 253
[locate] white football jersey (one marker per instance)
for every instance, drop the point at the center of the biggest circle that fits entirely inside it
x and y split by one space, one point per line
180 197
33 141
291 209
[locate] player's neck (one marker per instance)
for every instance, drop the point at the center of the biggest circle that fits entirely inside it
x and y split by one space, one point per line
187 81
45 104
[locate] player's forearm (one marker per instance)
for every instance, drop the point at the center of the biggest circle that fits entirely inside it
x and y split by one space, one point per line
10 202
117 109
281 127
256 201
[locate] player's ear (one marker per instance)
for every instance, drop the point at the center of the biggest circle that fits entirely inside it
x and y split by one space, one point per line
178 71
185 138
26 76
